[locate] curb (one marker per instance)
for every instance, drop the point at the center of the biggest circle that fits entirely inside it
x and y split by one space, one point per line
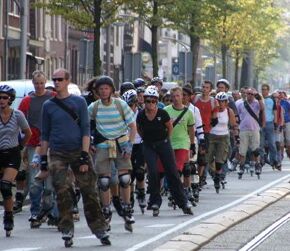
196 237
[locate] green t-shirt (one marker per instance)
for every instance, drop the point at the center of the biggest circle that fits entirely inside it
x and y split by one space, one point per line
180 138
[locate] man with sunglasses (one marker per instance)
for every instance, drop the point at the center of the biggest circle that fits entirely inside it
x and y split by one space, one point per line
250 131
66 132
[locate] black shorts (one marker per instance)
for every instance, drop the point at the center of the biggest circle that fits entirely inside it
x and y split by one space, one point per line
10 158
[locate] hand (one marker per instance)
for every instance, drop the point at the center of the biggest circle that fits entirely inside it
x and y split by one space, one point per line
84 158
36 160
84 168
237 139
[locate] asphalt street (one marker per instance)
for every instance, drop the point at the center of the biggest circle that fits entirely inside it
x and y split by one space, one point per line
149 232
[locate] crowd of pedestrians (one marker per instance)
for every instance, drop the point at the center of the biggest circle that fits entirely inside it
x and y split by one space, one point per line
113 147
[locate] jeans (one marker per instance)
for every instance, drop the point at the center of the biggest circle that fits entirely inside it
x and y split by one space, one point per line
164 151
268 135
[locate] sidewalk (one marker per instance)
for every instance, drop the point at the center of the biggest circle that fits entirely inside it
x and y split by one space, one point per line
197 236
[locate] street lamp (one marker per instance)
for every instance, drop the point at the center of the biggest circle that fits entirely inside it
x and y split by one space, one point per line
186 48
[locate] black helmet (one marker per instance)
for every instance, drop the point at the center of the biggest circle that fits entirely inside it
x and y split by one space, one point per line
156 80
140 89
126 86
9 91
104 80
138 82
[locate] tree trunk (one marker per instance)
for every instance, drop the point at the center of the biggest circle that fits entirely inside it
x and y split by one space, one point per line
224 50
154 42
194 47
247 69
237 61
97 36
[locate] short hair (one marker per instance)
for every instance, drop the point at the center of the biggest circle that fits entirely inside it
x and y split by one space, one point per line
266 85
65 71
174 89
208 82
38 74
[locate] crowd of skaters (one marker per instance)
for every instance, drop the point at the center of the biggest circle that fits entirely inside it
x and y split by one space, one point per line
106 145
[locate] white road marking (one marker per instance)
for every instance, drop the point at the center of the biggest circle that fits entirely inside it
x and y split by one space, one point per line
160 225
87 237
265 234
22 249
188 222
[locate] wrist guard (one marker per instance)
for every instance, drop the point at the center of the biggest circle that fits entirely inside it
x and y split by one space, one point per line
84 159
127 148
214 122
237 139
192 148
43 163
202 143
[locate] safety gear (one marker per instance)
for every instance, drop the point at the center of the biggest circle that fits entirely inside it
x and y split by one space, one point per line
6 189
151 92
125 180
223 81
104 183
84 159
130 97
156 80
237 139
104 80
193 149
21 175
140 174
9 91
222 96
126 86
214 122
43 163
138 82
186 171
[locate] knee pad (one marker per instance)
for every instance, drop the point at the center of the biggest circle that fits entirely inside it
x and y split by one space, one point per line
186 171
140 174
21 175
218 166
256 152
104 183
201 160
125 180
6 189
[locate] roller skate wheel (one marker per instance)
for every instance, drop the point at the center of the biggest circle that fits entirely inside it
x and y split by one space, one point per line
128 227
68 243
8 233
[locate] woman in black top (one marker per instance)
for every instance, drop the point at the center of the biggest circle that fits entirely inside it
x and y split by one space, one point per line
154 126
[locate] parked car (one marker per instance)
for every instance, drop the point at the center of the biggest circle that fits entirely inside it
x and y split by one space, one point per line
24 86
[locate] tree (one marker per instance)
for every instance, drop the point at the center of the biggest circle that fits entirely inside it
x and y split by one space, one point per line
153 15
85 15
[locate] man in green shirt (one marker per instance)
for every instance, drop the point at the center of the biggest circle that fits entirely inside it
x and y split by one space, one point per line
182 139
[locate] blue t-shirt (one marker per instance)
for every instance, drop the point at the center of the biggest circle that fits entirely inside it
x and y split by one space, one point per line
270 106
286 106
60 129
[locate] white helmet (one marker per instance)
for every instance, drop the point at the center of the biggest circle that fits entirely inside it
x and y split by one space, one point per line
151 91
130 97
222 96
224 81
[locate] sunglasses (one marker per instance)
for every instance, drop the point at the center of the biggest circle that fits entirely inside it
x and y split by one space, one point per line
4 97
58 79
152 101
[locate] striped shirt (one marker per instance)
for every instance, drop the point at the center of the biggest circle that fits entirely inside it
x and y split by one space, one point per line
9 132
110 122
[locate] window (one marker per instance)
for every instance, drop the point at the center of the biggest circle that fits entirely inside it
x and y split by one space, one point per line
13 8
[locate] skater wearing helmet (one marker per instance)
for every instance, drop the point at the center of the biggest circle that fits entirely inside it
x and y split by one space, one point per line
155 128
12 123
